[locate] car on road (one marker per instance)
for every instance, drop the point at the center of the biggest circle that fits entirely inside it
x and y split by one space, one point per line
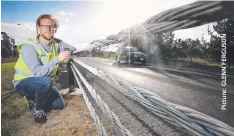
130 55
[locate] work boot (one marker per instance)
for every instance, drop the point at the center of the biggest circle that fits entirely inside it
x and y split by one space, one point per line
40 116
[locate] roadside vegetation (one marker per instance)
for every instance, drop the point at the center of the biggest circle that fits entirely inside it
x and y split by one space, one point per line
164 48
13 106
16 120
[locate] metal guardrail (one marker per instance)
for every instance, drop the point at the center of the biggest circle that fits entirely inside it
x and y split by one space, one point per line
196 122
118 128
195 14
72 78
187 16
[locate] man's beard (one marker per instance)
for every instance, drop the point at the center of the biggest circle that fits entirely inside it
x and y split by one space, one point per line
46 37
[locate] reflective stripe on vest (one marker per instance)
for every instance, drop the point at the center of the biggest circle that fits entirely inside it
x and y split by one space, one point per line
22 70
23 73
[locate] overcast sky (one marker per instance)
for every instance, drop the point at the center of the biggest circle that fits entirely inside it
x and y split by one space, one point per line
81 22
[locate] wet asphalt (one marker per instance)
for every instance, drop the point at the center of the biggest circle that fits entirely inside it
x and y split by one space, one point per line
200 91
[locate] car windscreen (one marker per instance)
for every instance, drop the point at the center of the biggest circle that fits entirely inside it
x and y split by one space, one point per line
133 50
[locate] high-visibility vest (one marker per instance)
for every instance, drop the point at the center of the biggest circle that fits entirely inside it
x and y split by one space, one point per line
21 69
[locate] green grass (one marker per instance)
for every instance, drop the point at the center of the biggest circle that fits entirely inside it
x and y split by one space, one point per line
12 107
8 66
7 71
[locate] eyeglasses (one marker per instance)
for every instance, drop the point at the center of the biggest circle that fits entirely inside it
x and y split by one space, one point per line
47 26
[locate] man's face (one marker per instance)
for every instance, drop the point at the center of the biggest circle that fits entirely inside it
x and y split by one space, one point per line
47 28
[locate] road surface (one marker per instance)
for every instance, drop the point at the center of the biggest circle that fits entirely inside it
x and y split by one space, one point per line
198 90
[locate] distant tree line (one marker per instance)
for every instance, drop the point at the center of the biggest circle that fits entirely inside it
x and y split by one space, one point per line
177 49
8 47
206 50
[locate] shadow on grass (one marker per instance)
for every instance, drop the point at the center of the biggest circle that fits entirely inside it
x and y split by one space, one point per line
12 109
13 105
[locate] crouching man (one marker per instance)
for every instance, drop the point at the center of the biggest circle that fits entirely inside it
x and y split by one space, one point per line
37 65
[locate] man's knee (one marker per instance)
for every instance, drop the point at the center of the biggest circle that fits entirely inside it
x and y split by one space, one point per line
62 105
58 104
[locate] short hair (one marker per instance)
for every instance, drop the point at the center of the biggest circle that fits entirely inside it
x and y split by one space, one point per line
49 16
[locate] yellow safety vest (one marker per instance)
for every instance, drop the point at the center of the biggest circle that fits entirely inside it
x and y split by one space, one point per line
21 69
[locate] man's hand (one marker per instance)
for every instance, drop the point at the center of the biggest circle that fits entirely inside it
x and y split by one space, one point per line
64 56
66 60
